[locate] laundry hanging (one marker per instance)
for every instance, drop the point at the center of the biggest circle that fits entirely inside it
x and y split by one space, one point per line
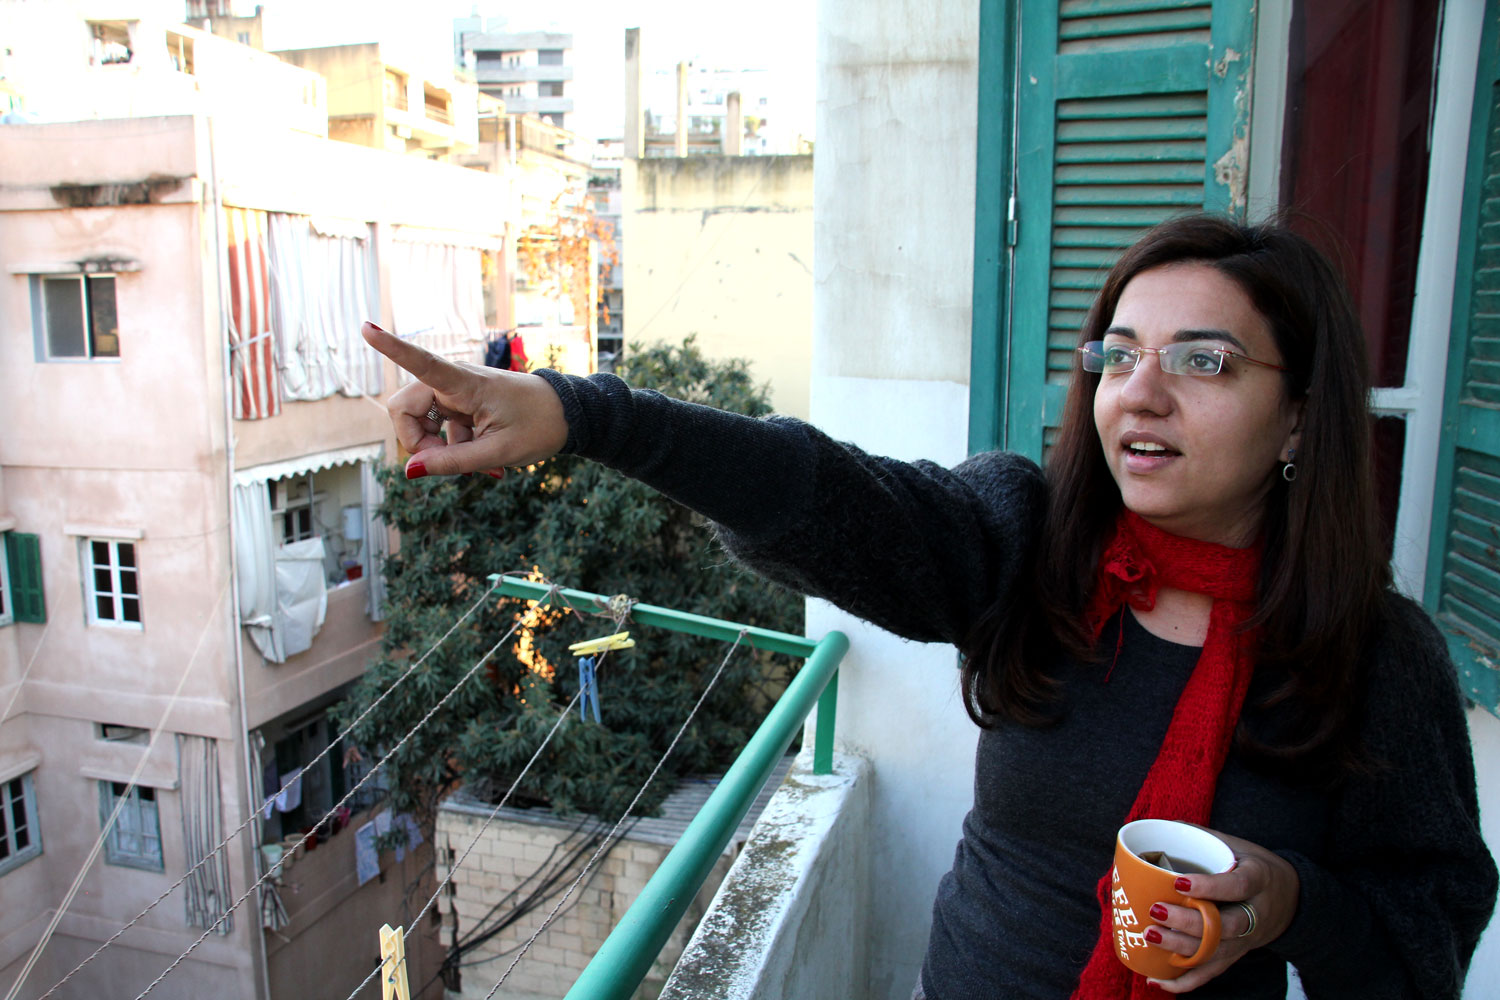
255 381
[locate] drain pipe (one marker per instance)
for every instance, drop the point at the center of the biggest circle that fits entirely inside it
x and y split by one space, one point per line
257 939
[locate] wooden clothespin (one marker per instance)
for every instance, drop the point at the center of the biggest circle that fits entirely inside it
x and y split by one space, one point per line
620 640
393 985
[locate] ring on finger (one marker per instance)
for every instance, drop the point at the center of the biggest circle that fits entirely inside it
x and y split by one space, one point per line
1250 916
434 415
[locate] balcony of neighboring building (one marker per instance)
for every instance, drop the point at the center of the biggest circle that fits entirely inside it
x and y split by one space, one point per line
380 101
133 68
493 70
539 105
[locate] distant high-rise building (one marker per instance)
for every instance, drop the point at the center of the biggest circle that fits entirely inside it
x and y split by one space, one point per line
528 70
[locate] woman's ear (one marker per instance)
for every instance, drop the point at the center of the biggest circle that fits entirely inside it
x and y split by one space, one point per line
1293 442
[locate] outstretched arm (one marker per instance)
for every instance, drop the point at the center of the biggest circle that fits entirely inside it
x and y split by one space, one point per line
913 547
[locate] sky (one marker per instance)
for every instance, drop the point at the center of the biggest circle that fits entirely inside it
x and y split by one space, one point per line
776 35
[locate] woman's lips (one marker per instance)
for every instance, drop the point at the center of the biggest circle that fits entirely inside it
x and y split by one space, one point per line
1147 453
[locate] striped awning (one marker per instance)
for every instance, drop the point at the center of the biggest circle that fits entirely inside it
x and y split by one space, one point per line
256 385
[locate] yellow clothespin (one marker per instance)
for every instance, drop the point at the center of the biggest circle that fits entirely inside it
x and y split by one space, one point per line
393 984
620 640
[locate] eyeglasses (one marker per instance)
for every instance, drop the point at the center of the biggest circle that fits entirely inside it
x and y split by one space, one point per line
1176 359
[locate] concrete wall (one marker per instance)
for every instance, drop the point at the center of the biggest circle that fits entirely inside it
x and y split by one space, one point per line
792 917
722 247
894 175
504 858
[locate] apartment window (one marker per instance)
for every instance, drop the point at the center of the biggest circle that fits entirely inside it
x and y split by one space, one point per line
294 508
20 841
549 57
395 90
549 89
113 583
135 839
111 43
78 318
243 36
180 52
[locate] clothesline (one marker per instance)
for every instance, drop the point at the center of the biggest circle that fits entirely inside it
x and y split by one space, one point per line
338 805
120 800
223 844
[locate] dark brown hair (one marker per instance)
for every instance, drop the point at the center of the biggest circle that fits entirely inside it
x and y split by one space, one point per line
1324 571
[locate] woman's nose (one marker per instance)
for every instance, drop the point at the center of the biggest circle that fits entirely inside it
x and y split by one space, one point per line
1147 388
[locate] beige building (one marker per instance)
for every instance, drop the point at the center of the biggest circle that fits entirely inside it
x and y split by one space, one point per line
381 97
721 248
721 244
188 506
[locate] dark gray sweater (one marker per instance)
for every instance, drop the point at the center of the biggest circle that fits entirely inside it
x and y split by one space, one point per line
1397 883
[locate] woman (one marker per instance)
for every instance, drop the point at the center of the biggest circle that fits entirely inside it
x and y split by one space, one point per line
1205 631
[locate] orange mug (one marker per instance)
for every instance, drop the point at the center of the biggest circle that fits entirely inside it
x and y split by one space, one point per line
1150 855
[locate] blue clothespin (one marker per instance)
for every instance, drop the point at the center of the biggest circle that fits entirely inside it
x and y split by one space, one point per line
588 688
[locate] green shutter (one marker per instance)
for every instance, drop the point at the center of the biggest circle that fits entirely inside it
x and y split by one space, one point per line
1463 573
23 553
1129 112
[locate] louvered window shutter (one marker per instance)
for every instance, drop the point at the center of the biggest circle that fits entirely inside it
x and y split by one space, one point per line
23 553
1463 574
1129 112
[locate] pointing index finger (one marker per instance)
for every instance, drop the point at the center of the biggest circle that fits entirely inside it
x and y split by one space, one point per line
432 370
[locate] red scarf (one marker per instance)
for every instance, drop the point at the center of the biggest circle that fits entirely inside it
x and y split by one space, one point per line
1180 785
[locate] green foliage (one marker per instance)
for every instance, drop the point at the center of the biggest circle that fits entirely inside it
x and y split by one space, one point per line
582 526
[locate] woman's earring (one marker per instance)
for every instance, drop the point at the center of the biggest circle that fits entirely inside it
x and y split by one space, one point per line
1289 470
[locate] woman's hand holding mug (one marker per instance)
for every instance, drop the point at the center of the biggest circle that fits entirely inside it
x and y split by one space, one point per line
1199 925
495 418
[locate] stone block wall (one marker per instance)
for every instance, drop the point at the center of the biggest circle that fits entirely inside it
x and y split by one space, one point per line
512 858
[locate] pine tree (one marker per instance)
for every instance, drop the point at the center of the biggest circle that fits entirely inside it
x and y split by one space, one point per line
581 525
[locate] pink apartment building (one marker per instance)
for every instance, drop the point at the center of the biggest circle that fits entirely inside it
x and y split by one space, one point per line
187 503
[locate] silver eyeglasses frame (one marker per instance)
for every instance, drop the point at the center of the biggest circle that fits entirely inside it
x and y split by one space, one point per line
1174 358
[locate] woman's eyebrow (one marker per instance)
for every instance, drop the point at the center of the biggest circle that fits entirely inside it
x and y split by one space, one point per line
1224 335
1183 336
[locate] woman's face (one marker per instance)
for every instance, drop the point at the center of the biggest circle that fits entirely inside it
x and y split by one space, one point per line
1195 455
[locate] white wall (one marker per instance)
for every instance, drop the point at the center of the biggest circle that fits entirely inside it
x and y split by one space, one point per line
892 245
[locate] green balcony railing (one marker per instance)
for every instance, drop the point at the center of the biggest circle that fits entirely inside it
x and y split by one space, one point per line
622 962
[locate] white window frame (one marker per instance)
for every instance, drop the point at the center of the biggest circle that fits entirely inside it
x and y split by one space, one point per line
43 334
135 839
91 593
7 593
17 856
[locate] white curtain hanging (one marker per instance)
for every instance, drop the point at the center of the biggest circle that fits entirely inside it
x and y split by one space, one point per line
283 593
256 563
373 495
437 297
321 290
208 890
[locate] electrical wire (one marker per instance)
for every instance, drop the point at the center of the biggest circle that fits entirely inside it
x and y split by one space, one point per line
120 800
338 805
628 809
554 591
270 798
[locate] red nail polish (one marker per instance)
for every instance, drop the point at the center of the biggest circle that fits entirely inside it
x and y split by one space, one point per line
1158 912
1181 885
494 475
416 470
1153 935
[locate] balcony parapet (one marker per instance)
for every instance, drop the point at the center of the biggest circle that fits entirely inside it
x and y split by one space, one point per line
790 919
